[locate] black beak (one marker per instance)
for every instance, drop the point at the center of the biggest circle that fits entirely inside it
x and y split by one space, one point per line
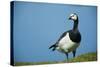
69 18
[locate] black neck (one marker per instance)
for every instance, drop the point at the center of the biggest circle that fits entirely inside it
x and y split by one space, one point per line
75 25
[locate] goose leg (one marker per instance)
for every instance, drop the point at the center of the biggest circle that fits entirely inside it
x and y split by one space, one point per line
66 55
74 53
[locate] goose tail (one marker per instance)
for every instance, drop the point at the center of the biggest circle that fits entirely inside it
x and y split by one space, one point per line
53 47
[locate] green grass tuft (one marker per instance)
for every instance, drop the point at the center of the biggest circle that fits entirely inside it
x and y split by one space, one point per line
85 57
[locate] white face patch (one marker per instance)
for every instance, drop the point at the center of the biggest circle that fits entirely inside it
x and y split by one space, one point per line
73 16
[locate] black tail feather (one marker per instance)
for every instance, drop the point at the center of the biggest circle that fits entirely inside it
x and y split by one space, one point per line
53 47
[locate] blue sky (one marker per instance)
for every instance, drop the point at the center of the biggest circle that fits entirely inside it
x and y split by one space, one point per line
39 25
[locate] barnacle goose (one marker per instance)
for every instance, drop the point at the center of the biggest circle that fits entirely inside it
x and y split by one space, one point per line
69 40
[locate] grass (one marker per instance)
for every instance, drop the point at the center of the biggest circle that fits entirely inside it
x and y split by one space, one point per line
82 58
85 57
33 63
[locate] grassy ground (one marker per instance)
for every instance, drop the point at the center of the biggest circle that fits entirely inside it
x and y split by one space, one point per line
82 58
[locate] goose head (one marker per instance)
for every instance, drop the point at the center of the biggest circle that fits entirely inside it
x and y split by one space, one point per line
73 17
